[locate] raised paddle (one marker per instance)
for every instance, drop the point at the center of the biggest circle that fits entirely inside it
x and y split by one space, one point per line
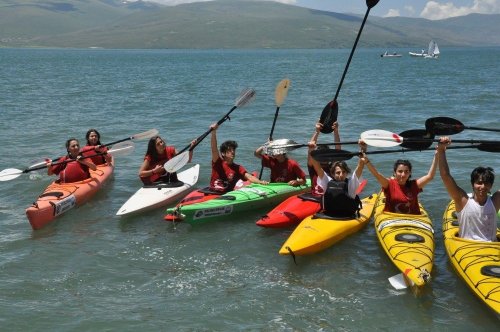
137 137
411 139
329 155
330 111
182 157
119 149
448 126
280 94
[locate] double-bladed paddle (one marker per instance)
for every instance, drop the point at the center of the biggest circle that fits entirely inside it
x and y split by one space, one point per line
119 149
331 110
182 157
448 126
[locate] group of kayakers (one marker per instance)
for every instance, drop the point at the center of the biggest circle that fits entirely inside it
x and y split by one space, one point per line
333 184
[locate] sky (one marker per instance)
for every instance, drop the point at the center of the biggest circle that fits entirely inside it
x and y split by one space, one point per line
432 10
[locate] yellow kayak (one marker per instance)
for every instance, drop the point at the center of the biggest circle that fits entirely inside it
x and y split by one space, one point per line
318 232
476 262
408 240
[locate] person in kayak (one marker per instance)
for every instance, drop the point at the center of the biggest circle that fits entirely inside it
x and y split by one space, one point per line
157 154
477 215
339 190
72 167
317 191
283 169
226 173
401 193
94 147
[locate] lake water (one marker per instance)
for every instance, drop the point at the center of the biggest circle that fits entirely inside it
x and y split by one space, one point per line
91 270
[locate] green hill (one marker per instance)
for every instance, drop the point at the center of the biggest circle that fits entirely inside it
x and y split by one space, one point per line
222 24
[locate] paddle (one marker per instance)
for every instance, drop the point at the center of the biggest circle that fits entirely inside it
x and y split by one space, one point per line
414 139
449 126
182 157
329 155
140 136
279 97
119 149
330 111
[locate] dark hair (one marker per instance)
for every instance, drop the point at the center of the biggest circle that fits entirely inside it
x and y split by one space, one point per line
69 141
343 166
228 145
90 131
152 148
404 162
485 174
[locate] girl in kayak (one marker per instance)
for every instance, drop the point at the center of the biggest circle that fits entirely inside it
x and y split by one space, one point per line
94 147
157 154
477 215
226 173
72 167
401 193
336 186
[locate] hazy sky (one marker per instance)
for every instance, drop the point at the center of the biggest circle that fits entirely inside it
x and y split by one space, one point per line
434 10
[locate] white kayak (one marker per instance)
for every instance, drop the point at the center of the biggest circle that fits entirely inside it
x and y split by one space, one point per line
161 194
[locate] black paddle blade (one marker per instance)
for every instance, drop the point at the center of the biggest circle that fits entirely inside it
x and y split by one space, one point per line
330 155
371 3
416 139
444 126
329 116
487 147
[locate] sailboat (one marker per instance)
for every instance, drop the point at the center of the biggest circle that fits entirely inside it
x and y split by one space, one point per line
432 51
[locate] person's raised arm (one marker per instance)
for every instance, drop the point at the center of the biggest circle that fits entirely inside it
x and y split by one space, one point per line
424 180
384 182
213 143
361 162
457 194
313 141
258 152
336 135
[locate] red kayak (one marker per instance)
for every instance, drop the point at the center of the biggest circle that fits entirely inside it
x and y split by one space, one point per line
291 211
197 196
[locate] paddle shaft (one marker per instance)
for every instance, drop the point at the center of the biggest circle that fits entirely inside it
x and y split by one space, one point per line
270 137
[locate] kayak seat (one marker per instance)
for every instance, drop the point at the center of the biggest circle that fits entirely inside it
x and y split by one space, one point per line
208 191
310 197
57 194
226 197
491 270
161 185
320 215
409 237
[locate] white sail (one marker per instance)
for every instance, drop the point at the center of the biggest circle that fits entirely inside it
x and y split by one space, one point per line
433 51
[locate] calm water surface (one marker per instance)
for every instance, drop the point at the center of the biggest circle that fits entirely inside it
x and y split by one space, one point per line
92 270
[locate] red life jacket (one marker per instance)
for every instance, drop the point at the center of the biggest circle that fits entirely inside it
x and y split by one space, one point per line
71 171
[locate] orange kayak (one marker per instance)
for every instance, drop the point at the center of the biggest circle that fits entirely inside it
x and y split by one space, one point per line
58 198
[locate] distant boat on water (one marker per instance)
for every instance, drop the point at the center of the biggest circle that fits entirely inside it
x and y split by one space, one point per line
432 52
391 55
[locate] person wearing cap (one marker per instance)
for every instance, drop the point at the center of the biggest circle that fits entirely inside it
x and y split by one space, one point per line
225 172
283 169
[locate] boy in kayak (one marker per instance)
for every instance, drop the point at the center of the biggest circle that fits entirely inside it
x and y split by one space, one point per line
477 215
94 147
283 169
226 173
72 167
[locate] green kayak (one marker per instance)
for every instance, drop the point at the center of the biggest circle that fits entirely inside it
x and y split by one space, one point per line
251 197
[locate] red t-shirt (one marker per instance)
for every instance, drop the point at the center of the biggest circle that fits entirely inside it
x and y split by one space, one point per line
166 156
225 176
402 199
72 171
286 171
89 150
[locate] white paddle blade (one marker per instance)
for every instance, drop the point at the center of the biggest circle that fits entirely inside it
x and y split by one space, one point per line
177 162
10 174
381 138
399 281
122 149
281 91
246 96
147 134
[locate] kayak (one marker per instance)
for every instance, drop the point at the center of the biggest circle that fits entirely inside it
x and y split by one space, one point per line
291 211
198 196
160 194
58 198
408 241
318 231
476 262
250 197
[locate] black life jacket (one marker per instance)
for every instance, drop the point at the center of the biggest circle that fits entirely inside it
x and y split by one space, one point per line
337 203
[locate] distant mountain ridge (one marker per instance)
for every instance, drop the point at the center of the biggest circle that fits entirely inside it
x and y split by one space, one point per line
223 24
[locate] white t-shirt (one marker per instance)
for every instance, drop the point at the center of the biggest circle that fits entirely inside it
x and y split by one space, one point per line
478 222
352 183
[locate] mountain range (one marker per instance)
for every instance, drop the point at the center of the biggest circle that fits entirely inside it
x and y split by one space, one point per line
224 24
